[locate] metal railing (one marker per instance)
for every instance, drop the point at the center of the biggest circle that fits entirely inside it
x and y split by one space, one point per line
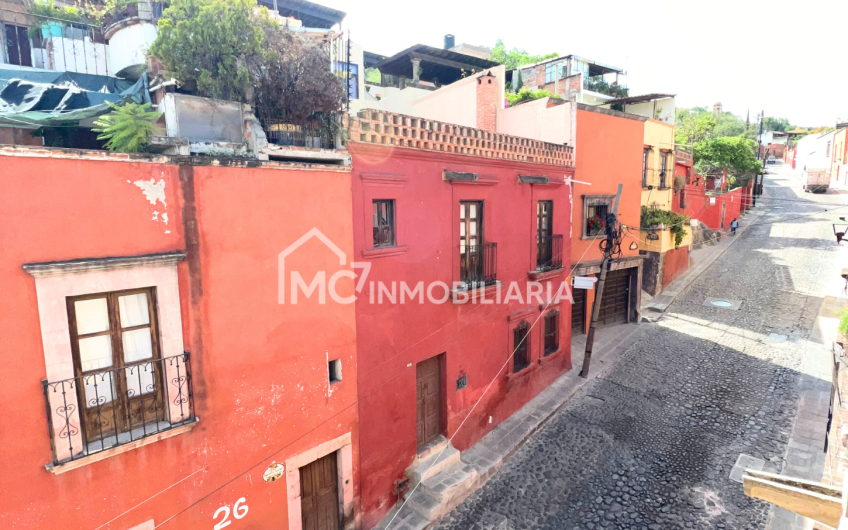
316 134
549 252
97 411
149 11
478 265
56 44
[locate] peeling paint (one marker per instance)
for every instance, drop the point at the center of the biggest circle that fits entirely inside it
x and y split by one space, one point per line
154 191
165 218
156 216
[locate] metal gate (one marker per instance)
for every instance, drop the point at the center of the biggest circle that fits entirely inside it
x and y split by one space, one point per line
578 312
615 303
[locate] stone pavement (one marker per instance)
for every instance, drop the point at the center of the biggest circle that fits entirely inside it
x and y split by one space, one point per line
650 443
701 258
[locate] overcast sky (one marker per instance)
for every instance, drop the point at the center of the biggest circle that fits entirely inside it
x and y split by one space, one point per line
788 58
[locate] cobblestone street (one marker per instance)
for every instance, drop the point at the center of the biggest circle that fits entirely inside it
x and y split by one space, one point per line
651 443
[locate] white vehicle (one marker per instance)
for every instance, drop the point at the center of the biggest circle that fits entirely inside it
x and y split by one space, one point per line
771 160
815 180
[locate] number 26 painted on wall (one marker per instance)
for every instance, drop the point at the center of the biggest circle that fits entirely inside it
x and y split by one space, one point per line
239 511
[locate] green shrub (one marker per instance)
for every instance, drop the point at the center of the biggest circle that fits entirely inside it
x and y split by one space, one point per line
843 322
127 128
528 94
675 222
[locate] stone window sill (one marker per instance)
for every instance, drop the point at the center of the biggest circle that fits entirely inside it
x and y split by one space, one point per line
384 252
544 275
551 356
518 375
108 453
475 294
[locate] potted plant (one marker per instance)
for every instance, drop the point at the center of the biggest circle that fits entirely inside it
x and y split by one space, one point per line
596 224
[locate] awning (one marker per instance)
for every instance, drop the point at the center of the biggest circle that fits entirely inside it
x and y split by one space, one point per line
35 98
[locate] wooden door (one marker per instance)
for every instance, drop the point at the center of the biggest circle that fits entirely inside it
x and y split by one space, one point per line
544 233
470 240
578 312
616 297
319 495
723 208
429 403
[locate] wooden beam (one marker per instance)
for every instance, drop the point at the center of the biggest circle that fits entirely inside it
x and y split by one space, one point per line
446 62
450 176
527 179
814 500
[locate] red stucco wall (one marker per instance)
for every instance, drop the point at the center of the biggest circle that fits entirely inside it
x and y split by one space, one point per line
698 206
676 263
259 368
608 152
474 338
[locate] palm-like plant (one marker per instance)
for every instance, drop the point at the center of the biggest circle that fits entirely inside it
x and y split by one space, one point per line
127 128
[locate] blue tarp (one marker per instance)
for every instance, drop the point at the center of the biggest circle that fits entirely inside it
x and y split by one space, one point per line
35 98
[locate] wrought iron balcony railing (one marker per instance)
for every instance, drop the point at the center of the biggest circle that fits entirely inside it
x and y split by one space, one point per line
315 134
549 252
478 265
100 410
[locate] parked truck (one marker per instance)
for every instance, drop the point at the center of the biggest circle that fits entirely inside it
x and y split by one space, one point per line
815 180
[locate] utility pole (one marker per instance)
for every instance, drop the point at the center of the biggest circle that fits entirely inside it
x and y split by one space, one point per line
605 265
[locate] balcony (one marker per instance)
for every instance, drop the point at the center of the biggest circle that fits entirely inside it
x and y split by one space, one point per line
549 252
61 45
316 134
133 12
99 411
478 265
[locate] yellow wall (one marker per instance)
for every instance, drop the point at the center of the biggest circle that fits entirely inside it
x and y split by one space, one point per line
660 136
665 242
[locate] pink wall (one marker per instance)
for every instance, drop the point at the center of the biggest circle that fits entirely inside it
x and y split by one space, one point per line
474 338
259 368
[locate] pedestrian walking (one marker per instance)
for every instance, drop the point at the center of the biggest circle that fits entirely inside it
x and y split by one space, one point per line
733 226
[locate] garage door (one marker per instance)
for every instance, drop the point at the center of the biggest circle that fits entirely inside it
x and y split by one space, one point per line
578 311
614 303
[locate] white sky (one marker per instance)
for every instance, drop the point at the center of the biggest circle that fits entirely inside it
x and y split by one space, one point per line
787 58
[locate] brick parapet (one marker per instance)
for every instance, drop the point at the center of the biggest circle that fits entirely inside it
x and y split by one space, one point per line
388 128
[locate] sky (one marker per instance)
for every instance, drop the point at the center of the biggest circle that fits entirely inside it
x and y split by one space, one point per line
787 58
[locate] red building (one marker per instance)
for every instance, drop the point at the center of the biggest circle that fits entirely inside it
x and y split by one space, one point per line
452 208
152 374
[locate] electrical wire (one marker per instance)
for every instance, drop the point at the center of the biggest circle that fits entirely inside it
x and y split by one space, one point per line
323 423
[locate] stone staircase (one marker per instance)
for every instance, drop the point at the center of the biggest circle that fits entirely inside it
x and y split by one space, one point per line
443 481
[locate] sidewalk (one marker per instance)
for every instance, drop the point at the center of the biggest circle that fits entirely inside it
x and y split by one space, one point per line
703 258
421 509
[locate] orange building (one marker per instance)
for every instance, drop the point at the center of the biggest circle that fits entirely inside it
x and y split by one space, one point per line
608 151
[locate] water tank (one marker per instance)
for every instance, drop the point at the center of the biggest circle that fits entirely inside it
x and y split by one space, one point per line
450 41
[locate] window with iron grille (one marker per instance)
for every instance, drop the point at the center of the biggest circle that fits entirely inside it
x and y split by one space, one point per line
646 153
477 259
18 50
550 73
521 347
384 223
663 169
551 332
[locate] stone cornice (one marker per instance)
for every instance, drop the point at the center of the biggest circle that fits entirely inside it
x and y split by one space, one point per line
78 266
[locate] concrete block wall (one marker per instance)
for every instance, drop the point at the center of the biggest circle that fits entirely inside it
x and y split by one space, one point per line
388 128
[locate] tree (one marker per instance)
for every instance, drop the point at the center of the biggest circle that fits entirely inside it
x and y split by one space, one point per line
372 75
734 154
694 128
776 124
211 44
514 58
293 80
